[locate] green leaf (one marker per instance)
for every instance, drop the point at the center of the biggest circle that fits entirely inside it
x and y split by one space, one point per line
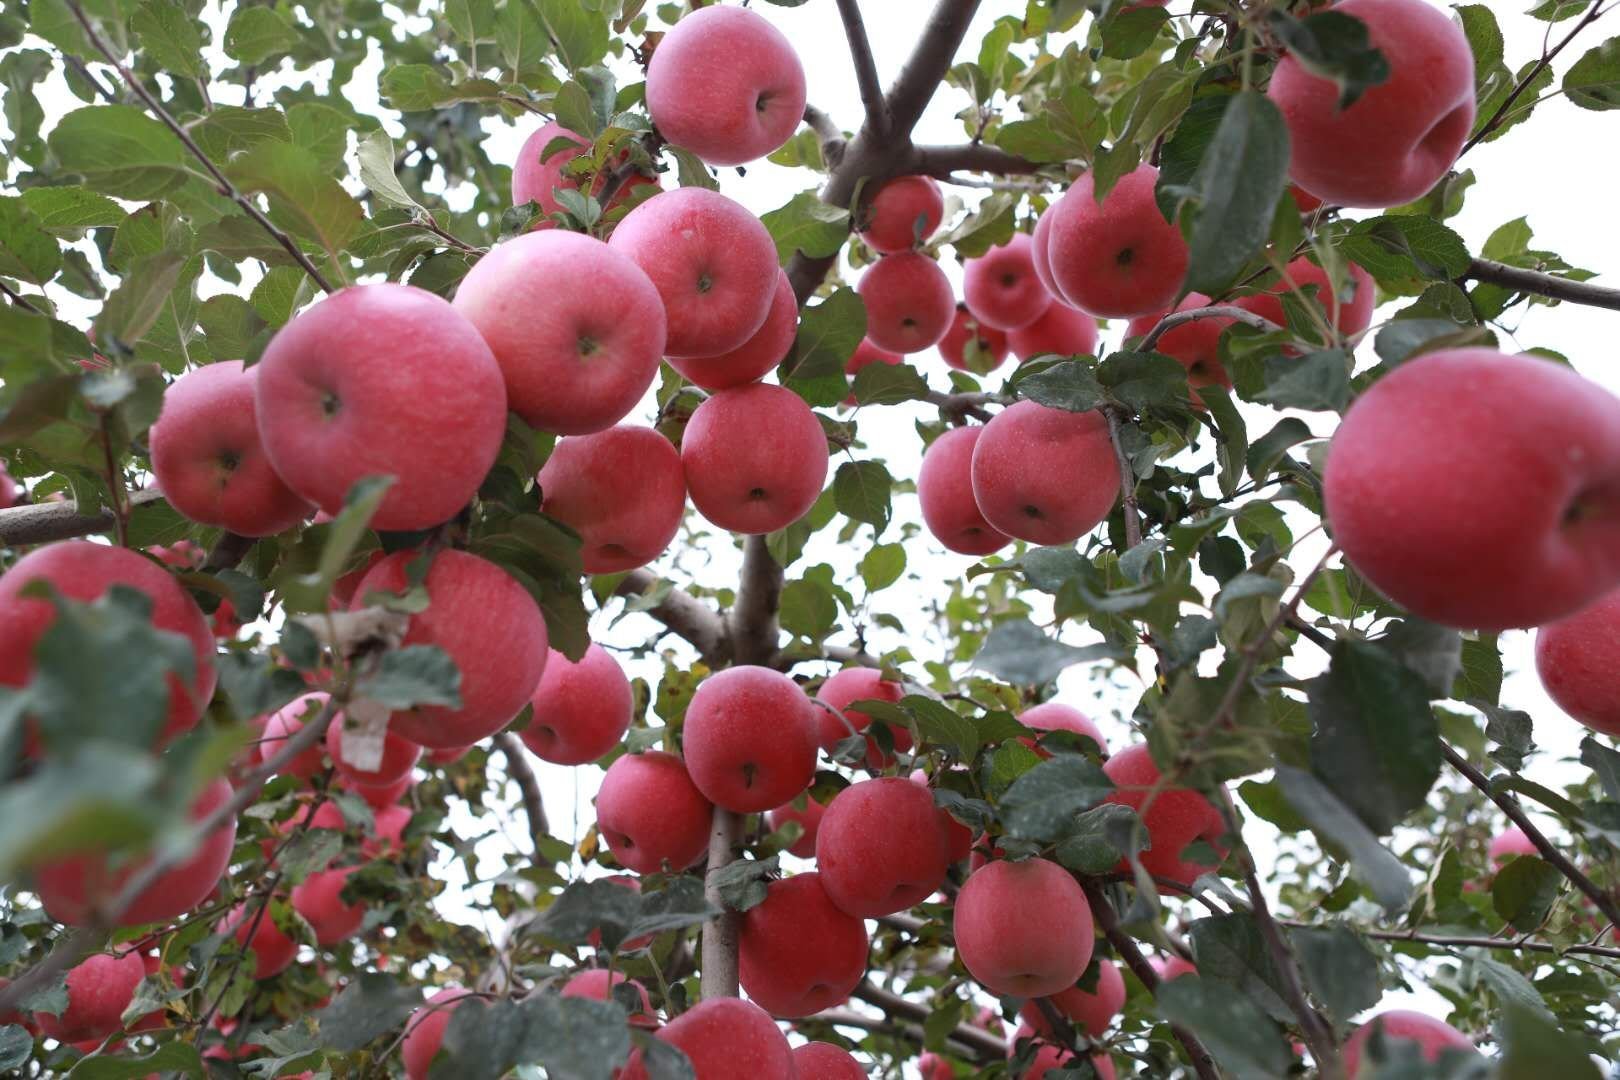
1593 82
99 797
1236 1030
601 905
135 306
1130 32
171 1057
882 566
573 1037
1339 969
376 153
470 20
1098 839
121 151
323 131
1070 385
1524 892
1019 652
1335 46
1603 762
1399 247
808 609
310 592
1042 803
521 36
1144 381
581 34
676 906
1318 381
411 676
414 87
1266 451
234 329
70 209
1242 175
230 129
1535 1046
1511 987
16 1046
1233 444
829 334
1335 825
257 33
861 492
1434 652
27 251
888 384
1232 949
807 225
1481 678
170 37
371 1005
304 198
741 884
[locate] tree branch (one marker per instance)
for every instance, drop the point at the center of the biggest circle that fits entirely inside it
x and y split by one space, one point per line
19 299
1127 481
518 768
941 36
1219 311
1548 285
701 625
942 161
719 973
754 630
1547 57
982 1042
866 76
41 523
954 407
828 134
1450 941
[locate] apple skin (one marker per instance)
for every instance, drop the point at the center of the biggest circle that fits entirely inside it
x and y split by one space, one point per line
891 216
749 739
1040 257
1578 659
726 85
1434 1036
1093 1014
71 887
1049 1057
83 571
748 484
841 690
1400 137
958 837
754 358
399 758
209 460
1173 967
582 710
491 628
867 354
1118 260
1194 345
880 848
1023 929
317 899
797 952
1177 817
1348 317
382 380
945 491
1045 475
712 262
1061 330
1055 716
424 1031
909 303
379 797
286 722
254 929
576 327
1001 287
809 820
10 490
99 989
935 1067
597 984
650 813
1410 483
623 490
386 837
1508 844
534 180
824 1061
725 1038
972 345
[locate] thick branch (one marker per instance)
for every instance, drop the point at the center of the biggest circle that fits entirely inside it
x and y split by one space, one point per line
754 630
1219 311
719 974
518 768
828 134
942 161
985 1044
866 76
686 615
954 407
1449 941
40 523
1553 288
941 36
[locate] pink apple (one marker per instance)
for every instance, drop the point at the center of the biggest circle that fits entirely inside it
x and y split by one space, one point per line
1061 331
10 490
1350 315
623 491
287 722
582 710
903 212
1195 345
651 814
1402 1025
1093 1013
935 1067
798 953
99 989
1055 716
597 984
958 837
880 848
841 690
255 930
399 758
1040 257
749 739
1001 287
725 1038
1122 258
743 482
1578 659
1023 929
1507 844
382 380
424 1031
1049 1057
1045 475
1168 968
808 819
379 796
865 355
536 178
1177 817
971 345
909 303
754 358
824 1061
945 490
318 899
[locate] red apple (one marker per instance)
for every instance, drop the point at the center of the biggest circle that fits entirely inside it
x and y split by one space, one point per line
382 380
1045 475
1001 287
971 345
1402 1025
255 930
577 328
582 710
1023 929
622 490
651 814
1055 716
99 989
399 758
798 953
10 490
536 178
903 212
1040 257
958 837
1513 460
725 1038
749 739
491 628
317 898
726 85
1194 345
597 984
1303 199
382 796
1049 1057
1171 967
209 461
449 755
809 820
745 483
866 354
841 690
935 1067
386 837
1578 659
1508 844
424 1031
287 722
880 848
1122 258
1400 137
824 1061
945 490
1061 331
1092 1013
909 303
1177 817
1349 315
754 358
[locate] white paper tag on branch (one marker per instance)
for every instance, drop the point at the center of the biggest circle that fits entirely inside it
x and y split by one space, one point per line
365 729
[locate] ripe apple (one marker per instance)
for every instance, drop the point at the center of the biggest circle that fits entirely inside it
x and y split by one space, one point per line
1049 1057
99 989
448 755
1092 1013
1119 259
711 261
1578 659
824 1061
536 178
1172 967
424 1031
1303 199
725 1038
865 354
597 984
1506 845
904 211
382 380
1023 929
880 848
651 814
1538 515
945 491
754 358
623 491
83 571
317 898
1400 137
255 930
387 835
287 722
10 490
835 719
749 739
1195 345
1045 475
726 85
1001 287
1433 1036
1349 315
1177 817
958 837
797 952
73 888
576 327
1040 257
933 1066
909 303
1055 716
491 628
745 483
972 345
209 460
382 796
582 710
399 758
809 820
1062 330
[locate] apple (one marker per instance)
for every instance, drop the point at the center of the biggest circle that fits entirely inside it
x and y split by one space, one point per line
754 358
318 899
386 837
83 571
945 492
582 710
1177 817
1194 345
1349 315
597 984
651 814
1508 844
867 354
382 380
286 722
971 345
836 721
1172 967
10 491
824 1061
399 758
1398 138
209 460
725 1038
576 327
14 1016
1023 929
1578 659
903 212
1303 199
623 491
424 1031
1514 460
1119 259
378 797
808 819
536 178
797 952
958 837
1433 1036
1055 716
933 1066
99 989
1093 1013
749 738
449 755
880 848
711 261
909 303
255 930
1061 331
1040 257
1049 1057
74 888
491 628
1045 475
726 85
1001 287
745 483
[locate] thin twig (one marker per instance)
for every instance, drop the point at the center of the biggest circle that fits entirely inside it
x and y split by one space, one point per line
19 299
115 486
1451 941
1547 57
700 624
1218 311
518 768
828 134
1127 480
954 407
985 1044
1548 285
